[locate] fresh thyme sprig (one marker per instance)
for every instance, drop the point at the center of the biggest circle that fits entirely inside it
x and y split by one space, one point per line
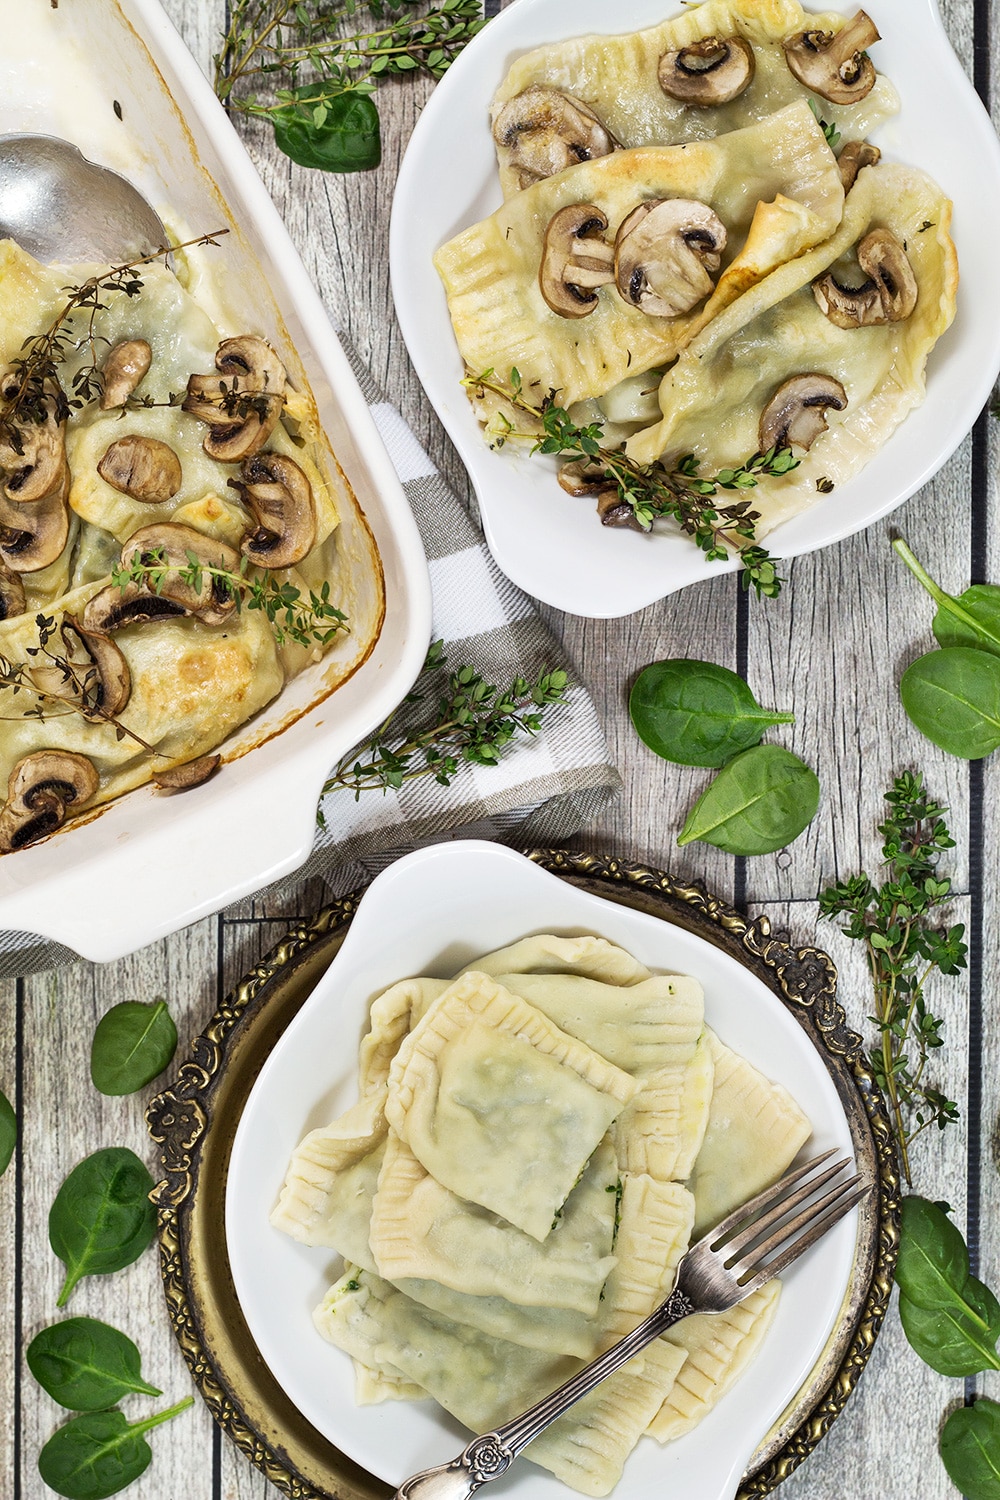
654 490
81 685
904 946
309 620
313 82
32 389
472 721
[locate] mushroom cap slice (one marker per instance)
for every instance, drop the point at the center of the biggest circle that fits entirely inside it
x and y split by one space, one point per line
142 467
242 404
665 252
108 694
834 64
614 511
547 131
32 536
796 413
179 549
12 597
123 369
32 465
41 789
281 498
192 773
114 608
888 295
576 260
713 70
854 156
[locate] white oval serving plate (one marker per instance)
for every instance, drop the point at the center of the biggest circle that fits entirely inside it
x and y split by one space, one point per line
430 913
553 545
148 864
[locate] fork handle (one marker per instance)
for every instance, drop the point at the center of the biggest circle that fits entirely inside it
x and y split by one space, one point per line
491 1455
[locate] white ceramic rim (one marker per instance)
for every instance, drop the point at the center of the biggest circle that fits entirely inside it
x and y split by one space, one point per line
547 542
180 859
431 912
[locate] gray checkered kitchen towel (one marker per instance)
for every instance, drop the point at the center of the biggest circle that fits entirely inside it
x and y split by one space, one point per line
542 789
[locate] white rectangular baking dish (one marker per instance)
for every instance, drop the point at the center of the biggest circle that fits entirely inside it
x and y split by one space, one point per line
149 864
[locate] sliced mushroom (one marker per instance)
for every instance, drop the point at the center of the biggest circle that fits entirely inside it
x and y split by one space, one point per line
281 498
32 536
888 295
576 260
193 773
12 599
796 413
41 790
142 467
583 478
172 549
614 511
547 131
242 404
711 71
854 156
32 461
834 64
666 251
123 369
95 676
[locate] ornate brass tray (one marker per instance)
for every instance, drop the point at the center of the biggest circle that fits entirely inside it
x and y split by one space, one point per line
194 1123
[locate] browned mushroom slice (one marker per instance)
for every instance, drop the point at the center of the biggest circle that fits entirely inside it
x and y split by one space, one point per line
614 511
796 413
854 156
281 498
123 369
193 773
584 478
666 252
711 71
576 260
834 64
32 536
94 674
174 555
242 404
33 459
547 131
887 296
142 467
41 790
12 598
114 608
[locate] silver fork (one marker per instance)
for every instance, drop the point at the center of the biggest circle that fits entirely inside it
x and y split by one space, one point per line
755 1243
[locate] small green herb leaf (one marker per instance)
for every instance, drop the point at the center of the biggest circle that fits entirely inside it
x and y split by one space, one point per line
970 1449
102 1219
696 713
346 139
953 697
758 803
98 1454
86 1365
132 1044
8 1132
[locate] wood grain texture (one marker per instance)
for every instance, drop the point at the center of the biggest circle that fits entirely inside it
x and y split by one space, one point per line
831 648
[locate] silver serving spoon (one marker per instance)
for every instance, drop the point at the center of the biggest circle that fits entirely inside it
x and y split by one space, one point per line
59 206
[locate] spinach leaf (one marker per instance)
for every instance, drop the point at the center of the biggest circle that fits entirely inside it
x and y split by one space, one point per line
696 713
102 1218
132 1044
970 619
98 1454
970 1449
86 1365
8 1132
950 1319
758 803
953 697
339 134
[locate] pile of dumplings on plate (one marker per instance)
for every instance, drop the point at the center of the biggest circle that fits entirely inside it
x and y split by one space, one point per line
700 249
535 1144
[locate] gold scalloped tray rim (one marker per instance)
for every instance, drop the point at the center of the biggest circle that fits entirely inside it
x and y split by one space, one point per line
194 1123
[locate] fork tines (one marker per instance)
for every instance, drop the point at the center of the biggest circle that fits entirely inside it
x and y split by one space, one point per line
768 1226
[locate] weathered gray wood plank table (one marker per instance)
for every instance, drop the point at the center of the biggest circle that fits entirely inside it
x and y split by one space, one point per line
831 648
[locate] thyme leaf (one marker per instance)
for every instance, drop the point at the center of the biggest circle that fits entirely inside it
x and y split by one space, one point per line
904 944
679 492
471 721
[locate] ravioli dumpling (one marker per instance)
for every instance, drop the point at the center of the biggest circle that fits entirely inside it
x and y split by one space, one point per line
661 1131
309 1205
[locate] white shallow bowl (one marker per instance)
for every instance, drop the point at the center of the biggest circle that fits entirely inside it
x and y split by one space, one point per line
553 545
431 913
151 864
